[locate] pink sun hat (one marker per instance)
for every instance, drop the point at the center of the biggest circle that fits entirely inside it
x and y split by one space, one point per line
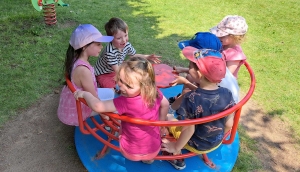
85 34
210 65
231 24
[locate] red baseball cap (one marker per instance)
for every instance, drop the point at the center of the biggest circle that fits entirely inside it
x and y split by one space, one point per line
211 66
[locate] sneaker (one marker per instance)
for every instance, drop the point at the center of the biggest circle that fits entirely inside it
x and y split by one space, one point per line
148 161
179 164
107 128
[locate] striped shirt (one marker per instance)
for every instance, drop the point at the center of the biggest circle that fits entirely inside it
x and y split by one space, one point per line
112 56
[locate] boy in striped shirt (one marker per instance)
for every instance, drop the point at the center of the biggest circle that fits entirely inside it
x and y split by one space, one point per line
115 52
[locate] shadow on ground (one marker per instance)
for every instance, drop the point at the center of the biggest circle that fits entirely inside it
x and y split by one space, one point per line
40 142
277 150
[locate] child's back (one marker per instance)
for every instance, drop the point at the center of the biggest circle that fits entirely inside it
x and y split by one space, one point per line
139 139
140 98
202 103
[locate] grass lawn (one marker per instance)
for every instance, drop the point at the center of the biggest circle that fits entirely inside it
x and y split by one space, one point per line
32 54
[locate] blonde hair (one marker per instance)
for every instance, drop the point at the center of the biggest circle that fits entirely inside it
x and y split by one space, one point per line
144 68
238 39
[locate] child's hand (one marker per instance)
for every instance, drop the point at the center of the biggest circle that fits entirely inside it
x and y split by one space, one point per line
78 94
154 58
179 80
168 146
104 116
164 131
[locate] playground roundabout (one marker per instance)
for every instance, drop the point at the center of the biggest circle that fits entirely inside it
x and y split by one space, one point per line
93 141
35 140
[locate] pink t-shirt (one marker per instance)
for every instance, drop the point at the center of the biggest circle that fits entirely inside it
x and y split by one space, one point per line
232 54
67 112
139 139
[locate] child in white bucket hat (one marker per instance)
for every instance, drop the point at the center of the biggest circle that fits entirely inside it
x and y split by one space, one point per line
231 32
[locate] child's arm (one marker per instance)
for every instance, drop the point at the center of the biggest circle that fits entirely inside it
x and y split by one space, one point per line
188 86
163 111
82 77
180 69
183 80
175 147
115 68
94 103
233 65
154 58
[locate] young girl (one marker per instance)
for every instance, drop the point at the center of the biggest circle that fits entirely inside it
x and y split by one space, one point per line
85 42
115 52
139 98
207 99
231 31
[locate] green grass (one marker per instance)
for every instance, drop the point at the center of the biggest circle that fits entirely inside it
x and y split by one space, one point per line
32 54
247 160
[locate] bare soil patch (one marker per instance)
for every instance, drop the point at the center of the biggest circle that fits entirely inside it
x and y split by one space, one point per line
37 141
278 151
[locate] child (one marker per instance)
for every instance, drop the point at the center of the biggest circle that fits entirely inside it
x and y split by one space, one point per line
85 42
201 40
139 98
231 31
206 100
213 46
115 52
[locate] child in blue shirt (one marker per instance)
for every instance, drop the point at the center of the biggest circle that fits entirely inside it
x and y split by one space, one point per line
207 99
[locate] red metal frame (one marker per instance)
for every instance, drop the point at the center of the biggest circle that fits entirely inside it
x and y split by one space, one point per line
113 123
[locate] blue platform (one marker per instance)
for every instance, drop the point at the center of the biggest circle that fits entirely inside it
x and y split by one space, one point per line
88 146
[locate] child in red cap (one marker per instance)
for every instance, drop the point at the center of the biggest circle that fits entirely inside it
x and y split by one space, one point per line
207 99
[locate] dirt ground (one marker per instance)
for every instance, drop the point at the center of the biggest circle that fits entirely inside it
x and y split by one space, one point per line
37 141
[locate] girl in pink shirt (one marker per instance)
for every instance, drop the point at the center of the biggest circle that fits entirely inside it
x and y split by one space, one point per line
231 32
139 98
85 42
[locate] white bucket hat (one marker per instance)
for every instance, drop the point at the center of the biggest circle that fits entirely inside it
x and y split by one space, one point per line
231 24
